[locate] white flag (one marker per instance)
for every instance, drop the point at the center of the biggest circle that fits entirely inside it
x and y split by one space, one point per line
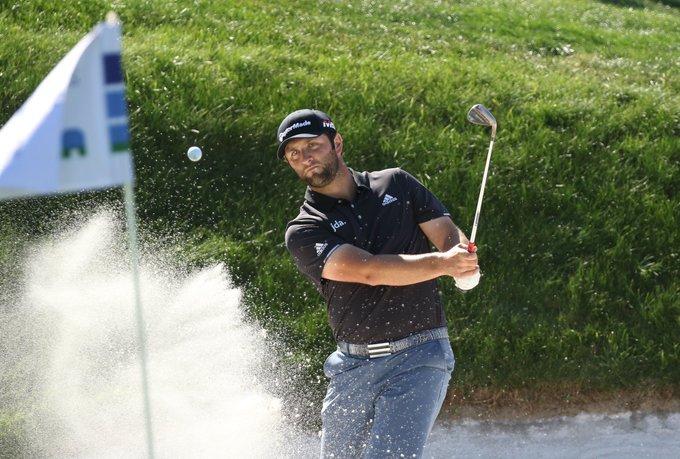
72 133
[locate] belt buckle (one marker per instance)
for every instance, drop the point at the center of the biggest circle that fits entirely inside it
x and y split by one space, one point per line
378 350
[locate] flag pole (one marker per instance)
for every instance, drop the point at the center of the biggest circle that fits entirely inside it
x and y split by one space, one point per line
141 333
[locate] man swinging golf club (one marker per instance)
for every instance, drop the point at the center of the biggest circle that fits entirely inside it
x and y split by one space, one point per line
363 239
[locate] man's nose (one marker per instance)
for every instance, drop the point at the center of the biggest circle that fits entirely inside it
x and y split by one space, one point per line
306 153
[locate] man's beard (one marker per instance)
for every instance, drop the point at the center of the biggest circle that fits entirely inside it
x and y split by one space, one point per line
321 178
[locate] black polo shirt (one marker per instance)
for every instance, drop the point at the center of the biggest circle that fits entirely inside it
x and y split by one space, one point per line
382 219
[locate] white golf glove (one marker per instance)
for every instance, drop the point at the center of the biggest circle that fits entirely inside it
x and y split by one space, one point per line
468 282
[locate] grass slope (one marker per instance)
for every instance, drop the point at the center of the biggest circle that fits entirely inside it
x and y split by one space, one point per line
579 239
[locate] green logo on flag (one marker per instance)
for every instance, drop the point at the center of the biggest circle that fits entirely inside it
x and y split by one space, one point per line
119 138
72 143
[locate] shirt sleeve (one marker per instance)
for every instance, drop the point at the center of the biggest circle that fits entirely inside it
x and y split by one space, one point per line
426 206
311 245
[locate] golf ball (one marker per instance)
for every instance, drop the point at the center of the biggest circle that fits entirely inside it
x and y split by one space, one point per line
194 153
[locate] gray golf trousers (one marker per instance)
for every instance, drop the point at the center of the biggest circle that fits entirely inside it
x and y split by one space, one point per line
384 407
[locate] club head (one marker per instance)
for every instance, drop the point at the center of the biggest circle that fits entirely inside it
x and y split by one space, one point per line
479 114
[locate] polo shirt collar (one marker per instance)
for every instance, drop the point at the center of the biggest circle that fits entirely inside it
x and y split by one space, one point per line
328 202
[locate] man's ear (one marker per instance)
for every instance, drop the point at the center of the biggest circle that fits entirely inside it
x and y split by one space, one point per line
338 143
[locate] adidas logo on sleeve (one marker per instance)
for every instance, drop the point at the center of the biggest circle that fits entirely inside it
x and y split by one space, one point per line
320 247
388 199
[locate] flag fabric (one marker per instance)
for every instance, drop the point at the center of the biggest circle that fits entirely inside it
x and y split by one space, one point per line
72 133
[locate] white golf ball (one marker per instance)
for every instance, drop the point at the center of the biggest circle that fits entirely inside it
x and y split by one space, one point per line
194 153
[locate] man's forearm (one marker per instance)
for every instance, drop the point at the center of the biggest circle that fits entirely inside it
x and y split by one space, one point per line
397 270
454 237
443 233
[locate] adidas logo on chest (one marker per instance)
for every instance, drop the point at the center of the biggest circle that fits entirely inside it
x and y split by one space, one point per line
388 199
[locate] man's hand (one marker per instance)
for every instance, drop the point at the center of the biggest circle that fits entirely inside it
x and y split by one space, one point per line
466 271
459 262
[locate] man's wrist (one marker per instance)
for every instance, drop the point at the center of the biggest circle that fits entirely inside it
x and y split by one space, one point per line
438 263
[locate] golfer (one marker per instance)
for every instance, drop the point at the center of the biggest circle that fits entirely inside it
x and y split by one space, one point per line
363 239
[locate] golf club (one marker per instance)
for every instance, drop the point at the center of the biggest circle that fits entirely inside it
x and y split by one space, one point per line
481 115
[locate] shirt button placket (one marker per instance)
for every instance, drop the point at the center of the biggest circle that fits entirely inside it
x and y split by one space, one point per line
361 227
358 215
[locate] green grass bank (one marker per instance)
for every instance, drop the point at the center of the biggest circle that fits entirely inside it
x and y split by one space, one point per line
579 236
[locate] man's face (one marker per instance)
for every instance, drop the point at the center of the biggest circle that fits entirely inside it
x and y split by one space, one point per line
313 159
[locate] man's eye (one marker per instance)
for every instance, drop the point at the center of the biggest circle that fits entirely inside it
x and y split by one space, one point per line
293 154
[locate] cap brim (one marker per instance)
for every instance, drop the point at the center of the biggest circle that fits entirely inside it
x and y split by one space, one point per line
279 152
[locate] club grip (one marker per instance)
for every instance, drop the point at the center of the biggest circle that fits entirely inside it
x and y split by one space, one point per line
472 248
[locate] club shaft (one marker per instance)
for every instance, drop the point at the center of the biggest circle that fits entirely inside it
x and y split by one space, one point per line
473 235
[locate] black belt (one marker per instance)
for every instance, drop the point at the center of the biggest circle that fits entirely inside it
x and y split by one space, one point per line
390 347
